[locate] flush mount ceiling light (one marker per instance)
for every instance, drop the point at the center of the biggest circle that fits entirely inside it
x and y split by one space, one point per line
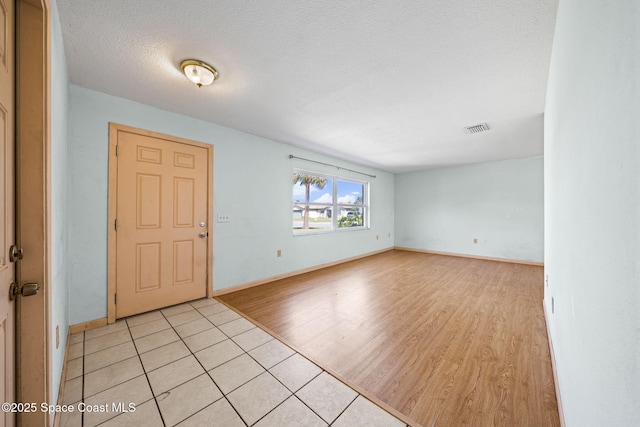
198 72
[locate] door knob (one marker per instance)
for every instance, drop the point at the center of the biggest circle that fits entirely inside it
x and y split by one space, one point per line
26 290
204 234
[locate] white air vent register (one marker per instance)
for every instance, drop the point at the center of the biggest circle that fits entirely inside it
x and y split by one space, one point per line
476 128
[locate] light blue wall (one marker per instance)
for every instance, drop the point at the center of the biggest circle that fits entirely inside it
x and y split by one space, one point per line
592 211
59 201
252 184
498 203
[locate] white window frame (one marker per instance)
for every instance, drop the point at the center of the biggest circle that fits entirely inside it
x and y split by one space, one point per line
335 206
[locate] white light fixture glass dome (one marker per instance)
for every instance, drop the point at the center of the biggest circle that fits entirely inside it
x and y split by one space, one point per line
198 72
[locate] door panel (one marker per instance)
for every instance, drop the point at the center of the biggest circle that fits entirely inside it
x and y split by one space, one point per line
148 266
183 262
149 201
161 259
7 208
183 202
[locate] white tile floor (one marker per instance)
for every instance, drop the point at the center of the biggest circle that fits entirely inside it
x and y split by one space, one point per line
201 363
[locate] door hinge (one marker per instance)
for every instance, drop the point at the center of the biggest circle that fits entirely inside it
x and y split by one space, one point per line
117 150
115 299
115 224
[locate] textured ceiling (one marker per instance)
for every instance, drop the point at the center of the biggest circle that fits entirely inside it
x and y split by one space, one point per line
389 84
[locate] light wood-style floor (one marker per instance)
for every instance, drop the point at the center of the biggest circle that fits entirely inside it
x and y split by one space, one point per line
446 341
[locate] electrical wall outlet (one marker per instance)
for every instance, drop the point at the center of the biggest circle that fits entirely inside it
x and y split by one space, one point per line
279 253
475 241
223 218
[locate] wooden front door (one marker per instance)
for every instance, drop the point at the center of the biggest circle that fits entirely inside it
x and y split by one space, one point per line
7 208
162 220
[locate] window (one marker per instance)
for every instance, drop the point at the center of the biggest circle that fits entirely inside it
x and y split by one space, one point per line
324 203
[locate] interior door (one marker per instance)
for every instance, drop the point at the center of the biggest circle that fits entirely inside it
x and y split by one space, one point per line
161 221
7 207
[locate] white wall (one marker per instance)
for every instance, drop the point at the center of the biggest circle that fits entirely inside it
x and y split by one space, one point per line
498 203
592 211
252 184
59 201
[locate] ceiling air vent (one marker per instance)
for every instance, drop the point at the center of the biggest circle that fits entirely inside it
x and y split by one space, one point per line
476 128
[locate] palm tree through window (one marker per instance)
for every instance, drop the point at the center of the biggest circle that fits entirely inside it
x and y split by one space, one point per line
324 203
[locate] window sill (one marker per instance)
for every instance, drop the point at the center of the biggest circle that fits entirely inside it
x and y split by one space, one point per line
340 230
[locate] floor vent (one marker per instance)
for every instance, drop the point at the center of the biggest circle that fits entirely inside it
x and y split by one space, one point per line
476 128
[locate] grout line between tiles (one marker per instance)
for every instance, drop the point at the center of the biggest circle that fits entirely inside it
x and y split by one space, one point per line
155 369
208 373
377 402
293 393
344 410
224 396
203 368
153 396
